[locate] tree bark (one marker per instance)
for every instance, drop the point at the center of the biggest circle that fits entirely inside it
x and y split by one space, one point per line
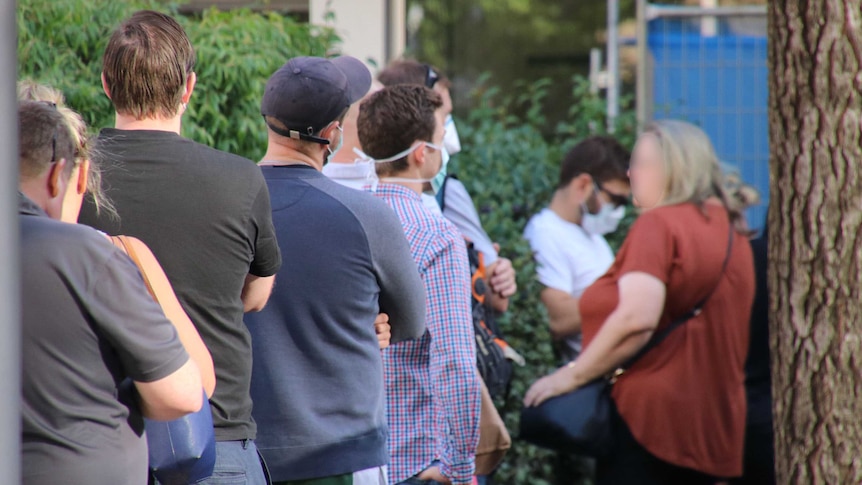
815 247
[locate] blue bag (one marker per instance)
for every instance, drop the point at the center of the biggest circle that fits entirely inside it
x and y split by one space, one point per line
182 451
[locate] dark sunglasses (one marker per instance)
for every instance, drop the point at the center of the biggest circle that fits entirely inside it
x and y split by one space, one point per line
617 200
431 77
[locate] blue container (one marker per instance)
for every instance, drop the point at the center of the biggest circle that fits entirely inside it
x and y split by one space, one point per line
720 84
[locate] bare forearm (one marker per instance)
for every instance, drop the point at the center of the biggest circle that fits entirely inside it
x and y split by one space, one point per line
256 291
564 312
612 346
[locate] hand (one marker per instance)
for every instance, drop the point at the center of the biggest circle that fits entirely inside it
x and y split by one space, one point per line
434 473
502 282
560 382
383 330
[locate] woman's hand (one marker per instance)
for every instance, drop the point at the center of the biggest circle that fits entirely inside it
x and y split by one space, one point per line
560 382
383 330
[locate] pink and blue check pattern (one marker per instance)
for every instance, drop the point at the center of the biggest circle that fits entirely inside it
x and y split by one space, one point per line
432 386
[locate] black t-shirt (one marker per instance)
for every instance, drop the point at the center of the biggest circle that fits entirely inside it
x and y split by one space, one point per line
87 324
206 216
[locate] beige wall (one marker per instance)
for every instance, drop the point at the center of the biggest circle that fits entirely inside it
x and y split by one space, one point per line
362 25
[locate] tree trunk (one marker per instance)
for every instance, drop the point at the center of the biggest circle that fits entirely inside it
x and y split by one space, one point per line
815 247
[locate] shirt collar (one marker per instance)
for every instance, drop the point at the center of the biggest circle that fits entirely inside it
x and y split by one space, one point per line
395 190
27 207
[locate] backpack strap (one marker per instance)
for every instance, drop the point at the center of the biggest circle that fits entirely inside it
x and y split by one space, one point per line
441 194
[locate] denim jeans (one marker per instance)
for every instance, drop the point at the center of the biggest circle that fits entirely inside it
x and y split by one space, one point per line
237 463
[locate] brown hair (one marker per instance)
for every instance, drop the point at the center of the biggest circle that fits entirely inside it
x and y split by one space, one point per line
408 71
146 65
601 157
43 138
32 91
394 118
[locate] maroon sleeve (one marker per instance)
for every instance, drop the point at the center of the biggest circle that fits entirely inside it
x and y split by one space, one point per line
649 247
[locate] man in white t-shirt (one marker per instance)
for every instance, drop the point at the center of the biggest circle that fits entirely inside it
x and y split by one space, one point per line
567 237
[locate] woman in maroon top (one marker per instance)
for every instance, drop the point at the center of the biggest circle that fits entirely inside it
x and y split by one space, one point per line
681 408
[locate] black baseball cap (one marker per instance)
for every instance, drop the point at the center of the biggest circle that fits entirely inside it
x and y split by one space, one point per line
308 93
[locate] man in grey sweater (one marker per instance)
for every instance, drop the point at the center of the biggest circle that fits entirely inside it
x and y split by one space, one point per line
317 379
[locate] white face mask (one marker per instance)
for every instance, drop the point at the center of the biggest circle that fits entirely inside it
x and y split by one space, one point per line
605 222
451 142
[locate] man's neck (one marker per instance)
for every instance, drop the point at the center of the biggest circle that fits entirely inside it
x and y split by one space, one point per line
562 206
283 155
403 180
129 122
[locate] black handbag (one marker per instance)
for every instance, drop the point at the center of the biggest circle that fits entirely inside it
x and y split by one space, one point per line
580 421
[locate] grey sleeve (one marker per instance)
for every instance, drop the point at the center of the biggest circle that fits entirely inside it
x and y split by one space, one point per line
121 308
267 255
402 293
459 209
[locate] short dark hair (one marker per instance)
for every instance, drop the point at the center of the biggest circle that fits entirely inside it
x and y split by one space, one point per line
43 138
601 157
407 71
392 119
146 65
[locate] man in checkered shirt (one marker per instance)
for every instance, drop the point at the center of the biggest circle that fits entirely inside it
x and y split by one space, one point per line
432 386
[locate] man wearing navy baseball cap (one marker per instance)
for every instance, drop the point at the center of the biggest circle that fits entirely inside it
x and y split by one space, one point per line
317 377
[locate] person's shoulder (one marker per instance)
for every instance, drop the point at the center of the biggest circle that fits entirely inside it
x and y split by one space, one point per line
67 240
214 155
456 187
543 224
365 206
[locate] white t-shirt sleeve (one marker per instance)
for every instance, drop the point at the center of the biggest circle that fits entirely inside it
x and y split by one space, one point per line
552 263
459 209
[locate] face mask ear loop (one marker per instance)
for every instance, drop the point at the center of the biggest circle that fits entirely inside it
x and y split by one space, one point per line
362 155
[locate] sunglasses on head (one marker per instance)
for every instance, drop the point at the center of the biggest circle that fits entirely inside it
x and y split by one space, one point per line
431 76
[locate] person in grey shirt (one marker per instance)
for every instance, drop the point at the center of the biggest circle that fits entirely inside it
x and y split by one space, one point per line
317 376
87 324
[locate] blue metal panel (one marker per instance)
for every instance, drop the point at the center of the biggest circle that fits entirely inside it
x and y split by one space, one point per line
720 84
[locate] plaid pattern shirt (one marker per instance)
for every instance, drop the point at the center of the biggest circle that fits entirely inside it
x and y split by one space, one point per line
432 386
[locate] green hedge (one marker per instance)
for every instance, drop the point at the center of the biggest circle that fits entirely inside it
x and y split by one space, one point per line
510 165
61 42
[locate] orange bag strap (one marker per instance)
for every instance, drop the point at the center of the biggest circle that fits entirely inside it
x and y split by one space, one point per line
123 243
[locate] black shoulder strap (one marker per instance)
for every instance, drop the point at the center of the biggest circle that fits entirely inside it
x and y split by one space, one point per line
441 194
659 336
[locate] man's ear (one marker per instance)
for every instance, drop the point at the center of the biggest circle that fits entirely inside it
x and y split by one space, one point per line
191 81
580 183
56 180
419 155
105 86
328 131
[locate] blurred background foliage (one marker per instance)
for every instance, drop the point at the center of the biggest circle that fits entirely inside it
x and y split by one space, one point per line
515 40
512 141
61 42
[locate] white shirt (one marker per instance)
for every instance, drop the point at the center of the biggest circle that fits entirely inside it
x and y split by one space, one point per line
567 257
355 175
